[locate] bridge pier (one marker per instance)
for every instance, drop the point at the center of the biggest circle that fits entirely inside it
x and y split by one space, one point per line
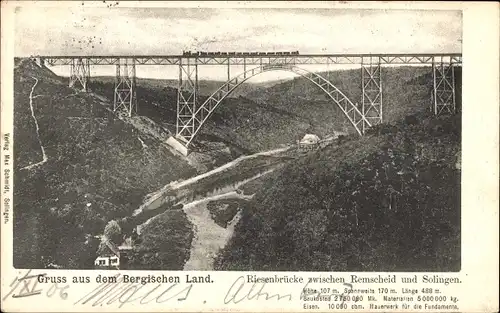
187 93
125 86
244 68
443 93
79 73
371 85
178 146
228 73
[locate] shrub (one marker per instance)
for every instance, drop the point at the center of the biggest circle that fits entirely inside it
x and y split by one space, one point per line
223 211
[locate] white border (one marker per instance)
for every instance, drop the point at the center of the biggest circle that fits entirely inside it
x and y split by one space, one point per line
479 290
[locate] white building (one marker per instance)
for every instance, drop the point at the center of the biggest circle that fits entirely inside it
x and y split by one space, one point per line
107 261
308 142
310 139
110 258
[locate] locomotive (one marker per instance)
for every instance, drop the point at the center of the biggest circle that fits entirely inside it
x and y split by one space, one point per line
207 53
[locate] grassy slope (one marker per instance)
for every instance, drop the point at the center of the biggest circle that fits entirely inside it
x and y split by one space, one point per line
389 201
93 157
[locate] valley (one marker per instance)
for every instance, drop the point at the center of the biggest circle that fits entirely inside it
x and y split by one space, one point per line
246 198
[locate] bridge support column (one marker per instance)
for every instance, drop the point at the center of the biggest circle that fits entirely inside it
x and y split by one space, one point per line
371 85
125 87
443 93
186 101
228 72
79 73
244 68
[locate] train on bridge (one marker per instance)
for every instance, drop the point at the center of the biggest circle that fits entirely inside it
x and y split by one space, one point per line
218 53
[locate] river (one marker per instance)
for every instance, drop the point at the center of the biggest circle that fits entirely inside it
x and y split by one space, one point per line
208 236
196 192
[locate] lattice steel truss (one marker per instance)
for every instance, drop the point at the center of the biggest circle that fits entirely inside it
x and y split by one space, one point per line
79 73
194 118
187 92
443 94
371 85
251 59
191 115
125 87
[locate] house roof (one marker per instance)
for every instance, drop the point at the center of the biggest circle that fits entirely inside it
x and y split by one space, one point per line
108 249
113 248
309 138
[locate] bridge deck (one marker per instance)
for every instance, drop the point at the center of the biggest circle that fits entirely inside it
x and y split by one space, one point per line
257 59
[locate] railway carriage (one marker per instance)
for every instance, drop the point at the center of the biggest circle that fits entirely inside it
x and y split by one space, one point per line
233 53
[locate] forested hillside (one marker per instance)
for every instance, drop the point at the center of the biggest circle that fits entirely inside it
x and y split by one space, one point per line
389 201
241 124
405 90
205 87
284 112
98 167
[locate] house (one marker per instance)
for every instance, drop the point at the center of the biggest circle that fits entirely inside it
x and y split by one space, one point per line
308 142
112 257
109 256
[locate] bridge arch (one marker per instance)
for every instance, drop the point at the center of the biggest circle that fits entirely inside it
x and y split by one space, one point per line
190 127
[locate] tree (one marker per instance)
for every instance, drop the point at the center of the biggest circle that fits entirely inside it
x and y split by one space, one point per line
113 231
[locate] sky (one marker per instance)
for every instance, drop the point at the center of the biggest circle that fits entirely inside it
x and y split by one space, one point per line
112 30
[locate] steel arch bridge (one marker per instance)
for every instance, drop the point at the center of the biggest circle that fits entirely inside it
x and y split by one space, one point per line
190 121
191 116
